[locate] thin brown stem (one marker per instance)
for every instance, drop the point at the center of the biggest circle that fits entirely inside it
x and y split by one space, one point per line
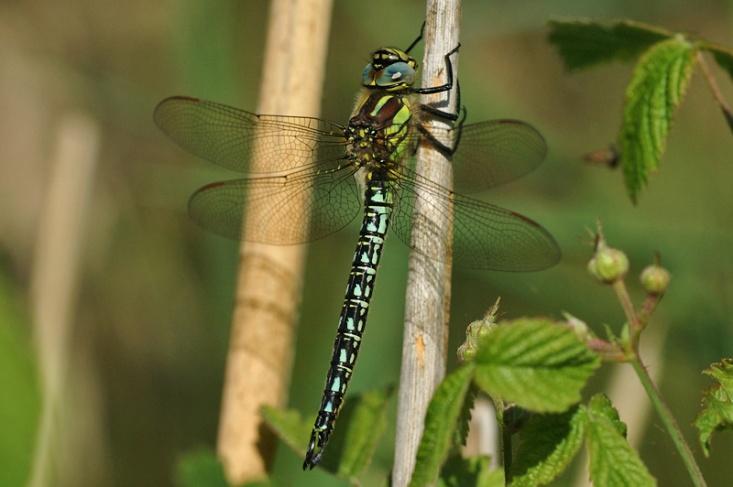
714 88
624 299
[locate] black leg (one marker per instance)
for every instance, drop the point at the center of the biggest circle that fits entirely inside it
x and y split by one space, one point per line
441 147
419 38
449 84
437 112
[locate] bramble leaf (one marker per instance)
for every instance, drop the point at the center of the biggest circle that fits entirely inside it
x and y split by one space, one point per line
289 426
612 461
364 426
547 444
717 404
441 422
362 421
200 468
582 43
657 87
535 363
459 471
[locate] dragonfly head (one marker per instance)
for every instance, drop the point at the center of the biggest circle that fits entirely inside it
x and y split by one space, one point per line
390 69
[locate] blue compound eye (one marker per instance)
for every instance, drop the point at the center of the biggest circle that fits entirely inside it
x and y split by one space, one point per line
397 73
367 74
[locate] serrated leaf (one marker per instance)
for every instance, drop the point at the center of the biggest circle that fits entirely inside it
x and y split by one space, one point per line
200 468
21 402
363 419
441 422
474 471
547 443
583 43
536 363
656 89
717 404
464 418
612 461
289 426
601 404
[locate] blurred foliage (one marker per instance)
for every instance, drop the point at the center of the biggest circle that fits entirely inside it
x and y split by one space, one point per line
157 293
20 405
717 404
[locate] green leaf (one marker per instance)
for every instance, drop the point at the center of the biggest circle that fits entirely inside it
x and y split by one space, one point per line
602 405
361 423
612 461
289 426
657 87
200 468
583 43
21 402
717 404
364 418
534 362
547 444
441 422
475 471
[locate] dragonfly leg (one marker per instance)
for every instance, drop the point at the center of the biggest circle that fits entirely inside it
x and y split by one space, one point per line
445 115
440 146
418 39
449 70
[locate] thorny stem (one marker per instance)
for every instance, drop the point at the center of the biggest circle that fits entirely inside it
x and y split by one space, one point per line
624 299
647 308
637 323
714 88
669 422
505 438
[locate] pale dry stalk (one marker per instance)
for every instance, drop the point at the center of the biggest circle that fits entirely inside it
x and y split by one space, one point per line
269 280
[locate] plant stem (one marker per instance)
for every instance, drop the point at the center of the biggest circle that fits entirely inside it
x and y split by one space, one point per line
269 277
506 439
622 294
427 300
670 424
714 88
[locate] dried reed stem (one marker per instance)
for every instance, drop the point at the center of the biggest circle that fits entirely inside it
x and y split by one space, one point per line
55 274
427 302
269 282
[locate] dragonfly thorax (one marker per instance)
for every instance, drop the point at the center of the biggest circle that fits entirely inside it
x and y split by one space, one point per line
377 130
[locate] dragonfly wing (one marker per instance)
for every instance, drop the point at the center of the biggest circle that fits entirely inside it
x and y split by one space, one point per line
276 206
493 152
484 236
231 137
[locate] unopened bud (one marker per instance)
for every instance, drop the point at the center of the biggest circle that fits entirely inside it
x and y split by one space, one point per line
655 279
608 265
578 326
466 352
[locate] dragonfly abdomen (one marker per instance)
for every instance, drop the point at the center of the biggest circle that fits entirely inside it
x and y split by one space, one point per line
352 320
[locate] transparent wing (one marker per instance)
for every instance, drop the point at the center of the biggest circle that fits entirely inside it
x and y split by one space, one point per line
231 137
484 236
494 152
275 206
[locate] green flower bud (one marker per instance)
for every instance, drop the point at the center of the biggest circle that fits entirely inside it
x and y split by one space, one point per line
608 265
466 352
578 326
655 279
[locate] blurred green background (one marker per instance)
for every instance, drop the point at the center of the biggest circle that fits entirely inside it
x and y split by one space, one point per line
152 314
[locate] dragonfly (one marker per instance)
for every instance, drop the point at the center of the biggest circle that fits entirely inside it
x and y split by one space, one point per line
366 166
